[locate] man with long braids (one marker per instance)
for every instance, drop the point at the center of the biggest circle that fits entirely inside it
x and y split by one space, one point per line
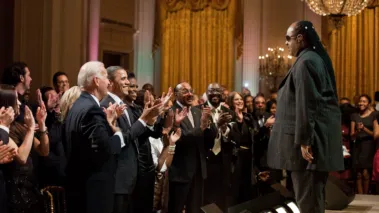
306 136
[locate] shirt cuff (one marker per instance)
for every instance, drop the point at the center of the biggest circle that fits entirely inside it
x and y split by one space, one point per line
226 133
119 134
4 128
142 122
145 125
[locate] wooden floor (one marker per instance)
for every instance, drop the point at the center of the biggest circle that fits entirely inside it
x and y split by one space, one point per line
362 204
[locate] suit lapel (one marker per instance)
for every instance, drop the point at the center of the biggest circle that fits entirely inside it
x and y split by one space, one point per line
196 118
289 72
185 121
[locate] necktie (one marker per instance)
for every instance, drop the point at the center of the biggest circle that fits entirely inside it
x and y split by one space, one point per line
217 142
126 114
190 117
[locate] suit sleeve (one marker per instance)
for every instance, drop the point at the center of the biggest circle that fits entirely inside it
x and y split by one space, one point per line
307 83
96 129
136 130
4 134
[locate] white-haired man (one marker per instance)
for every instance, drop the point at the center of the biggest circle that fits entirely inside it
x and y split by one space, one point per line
92 142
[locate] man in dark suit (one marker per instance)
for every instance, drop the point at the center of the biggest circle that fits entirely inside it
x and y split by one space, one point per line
6 118
93 141
306 136
143 194
188 168
127 165
218 152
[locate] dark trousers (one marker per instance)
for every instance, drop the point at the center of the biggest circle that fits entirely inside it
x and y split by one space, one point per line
186 194
3 199
309 187
143 195
122 203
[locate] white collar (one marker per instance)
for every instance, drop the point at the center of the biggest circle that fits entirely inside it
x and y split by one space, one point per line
97 100
115 98
212 107
180 104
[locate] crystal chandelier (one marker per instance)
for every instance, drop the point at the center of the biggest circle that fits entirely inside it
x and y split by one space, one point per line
274 65
337 9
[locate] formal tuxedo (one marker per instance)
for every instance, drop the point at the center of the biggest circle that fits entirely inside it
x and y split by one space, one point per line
127 162
4 136
92 149
188 168
307 114
219 153
143 194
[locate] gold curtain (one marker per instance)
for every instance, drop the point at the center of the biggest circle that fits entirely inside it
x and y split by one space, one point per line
197 42
354 50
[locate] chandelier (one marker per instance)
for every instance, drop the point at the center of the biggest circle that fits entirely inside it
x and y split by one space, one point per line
274 65
337 9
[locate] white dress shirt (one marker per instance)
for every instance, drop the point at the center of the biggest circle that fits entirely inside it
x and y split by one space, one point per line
156 151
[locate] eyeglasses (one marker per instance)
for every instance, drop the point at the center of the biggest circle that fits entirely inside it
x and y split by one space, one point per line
186 91
288 38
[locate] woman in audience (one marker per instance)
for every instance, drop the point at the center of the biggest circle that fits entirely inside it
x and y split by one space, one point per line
21 183
67 100
271 107
364 148
241 136
249 103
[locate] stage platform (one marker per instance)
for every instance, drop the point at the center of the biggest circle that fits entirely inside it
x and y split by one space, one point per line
362 204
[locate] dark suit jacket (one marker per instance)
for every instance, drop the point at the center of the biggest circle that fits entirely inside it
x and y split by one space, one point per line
91 154
189 151
145 159
4 136
127 165
307 114
261 138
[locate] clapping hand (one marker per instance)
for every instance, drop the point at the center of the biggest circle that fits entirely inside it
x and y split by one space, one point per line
224 118
120 109
175 136
29 119
179 116
239 115
165 99
205 114
6 116
7 153
169 122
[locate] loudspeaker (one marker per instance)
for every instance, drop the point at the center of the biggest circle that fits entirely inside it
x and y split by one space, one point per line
259 204
337 194
211 208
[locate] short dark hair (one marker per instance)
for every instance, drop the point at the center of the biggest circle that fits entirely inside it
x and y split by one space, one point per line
149 87
344 99
56 75
131 75
8 97
43 90
140 99
367 97
269 105
11 75
111 70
